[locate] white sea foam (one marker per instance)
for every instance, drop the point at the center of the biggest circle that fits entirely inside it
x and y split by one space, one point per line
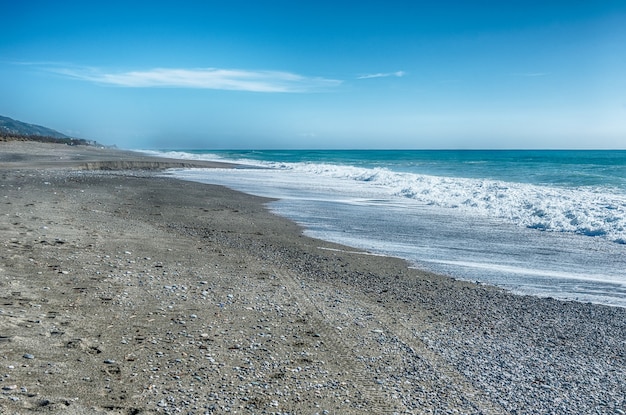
587 211
508 269
590 211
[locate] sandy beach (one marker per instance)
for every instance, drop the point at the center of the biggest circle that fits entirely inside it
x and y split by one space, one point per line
122 292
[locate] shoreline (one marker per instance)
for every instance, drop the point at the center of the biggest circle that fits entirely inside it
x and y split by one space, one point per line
547 263
30 154
129 293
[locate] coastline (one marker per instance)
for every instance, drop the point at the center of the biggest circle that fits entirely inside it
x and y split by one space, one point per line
123 292
30 154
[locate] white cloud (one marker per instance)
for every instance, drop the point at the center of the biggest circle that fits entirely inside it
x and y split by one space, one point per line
205 78
397 74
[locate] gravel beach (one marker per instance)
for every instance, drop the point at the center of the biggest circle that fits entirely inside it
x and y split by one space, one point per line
126 293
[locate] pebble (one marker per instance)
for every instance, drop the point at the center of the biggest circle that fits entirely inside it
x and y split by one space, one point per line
28 356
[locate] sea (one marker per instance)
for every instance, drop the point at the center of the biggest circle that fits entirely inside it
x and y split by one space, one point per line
549 223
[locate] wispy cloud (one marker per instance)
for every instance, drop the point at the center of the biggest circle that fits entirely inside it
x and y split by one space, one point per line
397 74
204 78
531 74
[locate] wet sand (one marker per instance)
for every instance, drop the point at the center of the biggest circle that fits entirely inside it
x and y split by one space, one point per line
126 293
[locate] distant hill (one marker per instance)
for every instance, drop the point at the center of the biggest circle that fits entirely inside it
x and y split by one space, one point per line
13 130
14 127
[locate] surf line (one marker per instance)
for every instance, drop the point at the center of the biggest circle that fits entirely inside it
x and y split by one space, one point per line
350 252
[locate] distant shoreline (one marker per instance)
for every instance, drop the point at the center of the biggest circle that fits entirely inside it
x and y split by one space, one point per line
9 137
22 153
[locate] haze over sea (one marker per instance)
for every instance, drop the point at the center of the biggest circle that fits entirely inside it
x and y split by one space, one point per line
547 223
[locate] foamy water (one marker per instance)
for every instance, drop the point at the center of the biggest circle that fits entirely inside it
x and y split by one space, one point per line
549 237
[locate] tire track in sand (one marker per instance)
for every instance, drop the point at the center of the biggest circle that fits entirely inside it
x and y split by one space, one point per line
378 401
465 397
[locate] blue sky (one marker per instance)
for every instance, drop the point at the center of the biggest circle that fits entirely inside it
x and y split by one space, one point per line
287 74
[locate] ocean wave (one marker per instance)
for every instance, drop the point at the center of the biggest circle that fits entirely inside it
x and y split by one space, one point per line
184 155
595 212
589 211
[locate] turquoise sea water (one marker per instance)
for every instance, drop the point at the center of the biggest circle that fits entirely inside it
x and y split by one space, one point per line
544 167
549 223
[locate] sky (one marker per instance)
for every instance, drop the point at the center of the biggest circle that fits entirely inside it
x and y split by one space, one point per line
319 74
